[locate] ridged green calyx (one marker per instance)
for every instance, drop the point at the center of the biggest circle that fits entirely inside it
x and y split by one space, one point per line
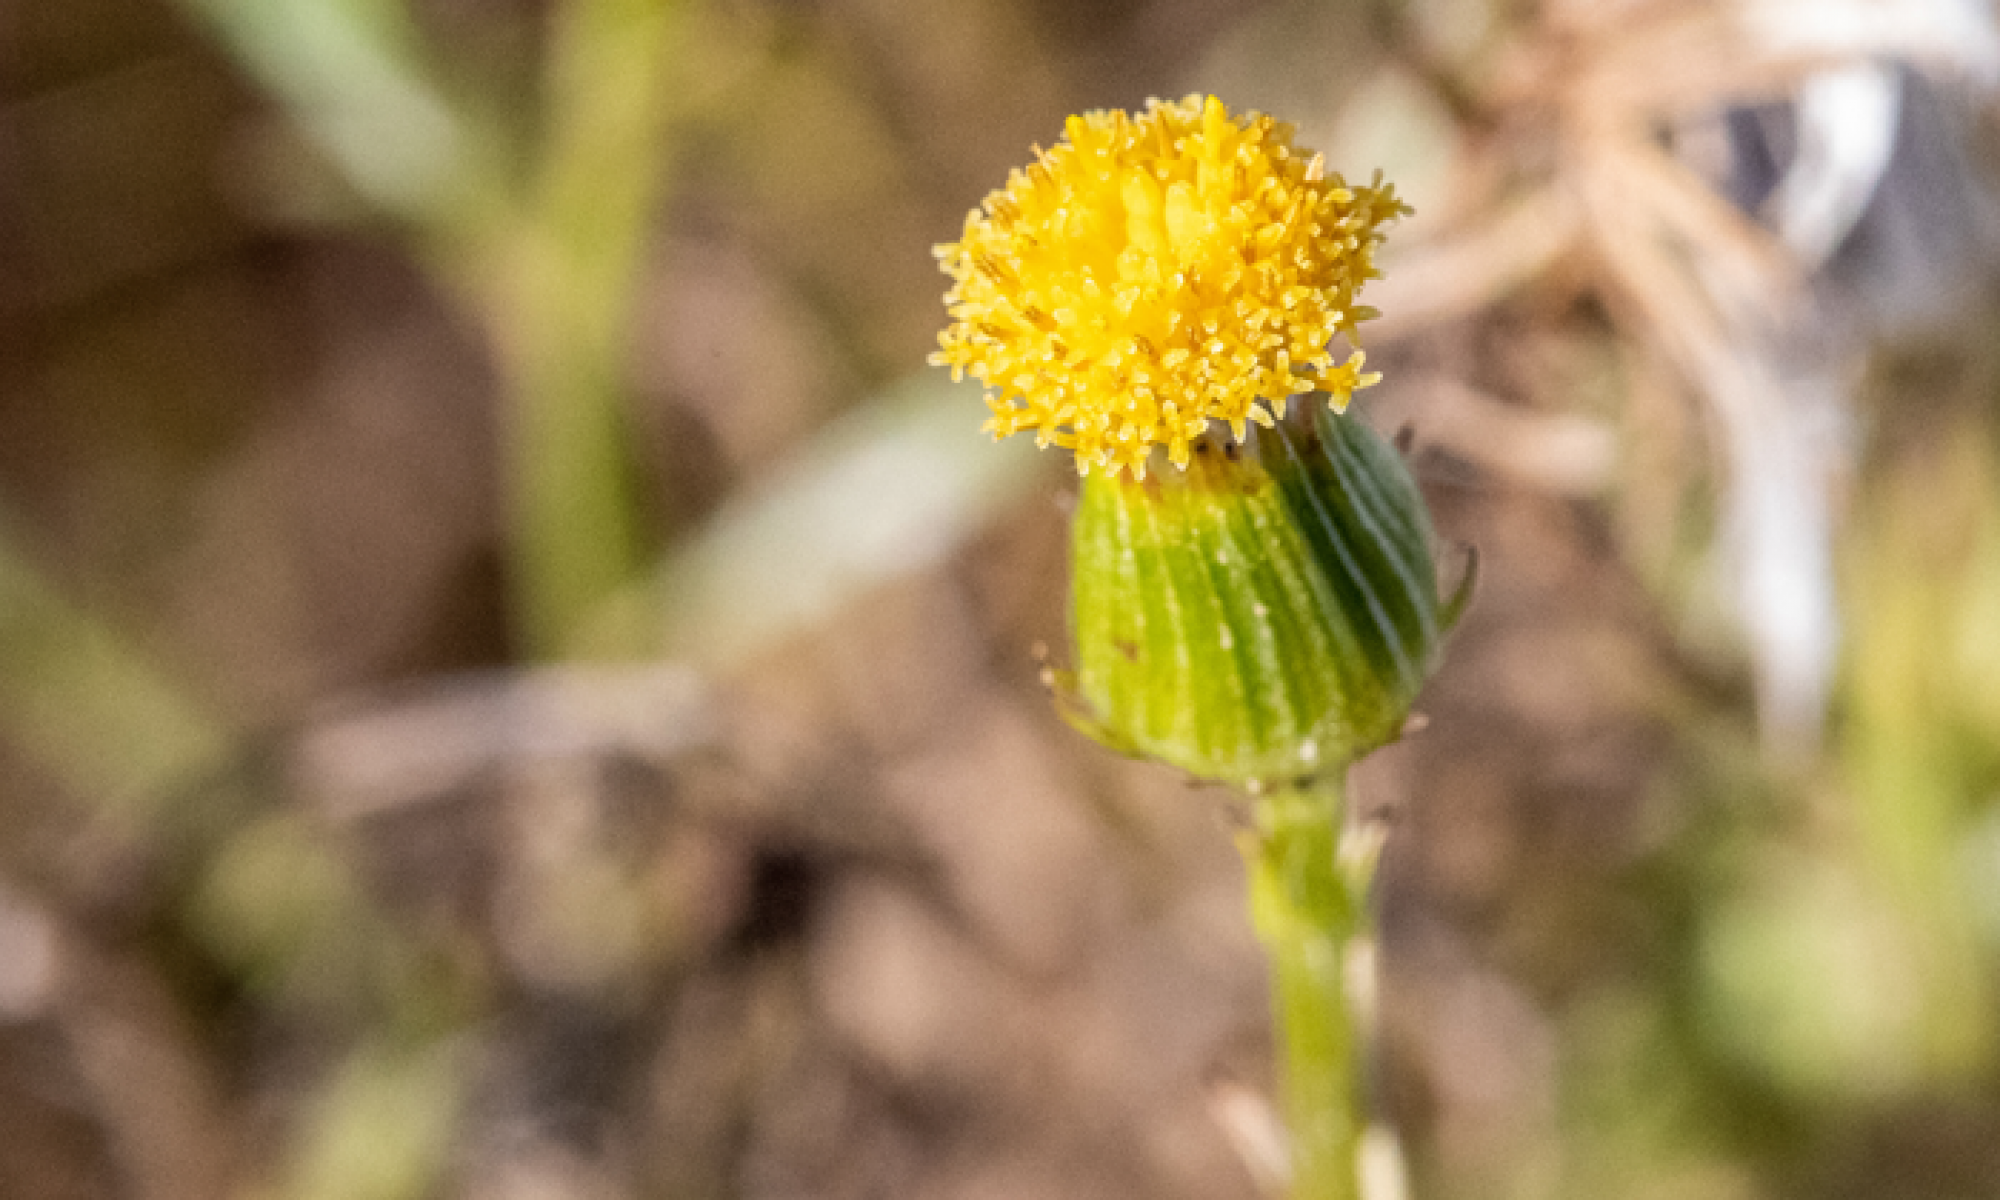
1266 615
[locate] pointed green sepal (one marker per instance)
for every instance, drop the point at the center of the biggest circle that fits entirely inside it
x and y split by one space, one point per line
1266 614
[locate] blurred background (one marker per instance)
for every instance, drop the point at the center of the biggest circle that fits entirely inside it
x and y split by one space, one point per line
517 684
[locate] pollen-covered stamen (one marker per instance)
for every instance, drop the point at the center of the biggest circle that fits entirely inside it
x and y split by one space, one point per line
1151 273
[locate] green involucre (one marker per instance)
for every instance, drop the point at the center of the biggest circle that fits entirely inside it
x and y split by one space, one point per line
1267 614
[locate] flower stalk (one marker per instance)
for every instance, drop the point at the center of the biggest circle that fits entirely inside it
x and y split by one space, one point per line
1310 913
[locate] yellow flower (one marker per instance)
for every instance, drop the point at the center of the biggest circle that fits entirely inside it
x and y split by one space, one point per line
1154 272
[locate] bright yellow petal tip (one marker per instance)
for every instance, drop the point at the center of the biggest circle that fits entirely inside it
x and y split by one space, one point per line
1151 273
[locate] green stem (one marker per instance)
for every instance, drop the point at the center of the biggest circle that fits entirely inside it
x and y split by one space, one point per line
1308 909
562 315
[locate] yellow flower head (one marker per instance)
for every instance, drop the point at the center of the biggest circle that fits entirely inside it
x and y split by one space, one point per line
1153 272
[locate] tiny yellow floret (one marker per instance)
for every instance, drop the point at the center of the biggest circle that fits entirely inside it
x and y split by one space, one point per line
1152 273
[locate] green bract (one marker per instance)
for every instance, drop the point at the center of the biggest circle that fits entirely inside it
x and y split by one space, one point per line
1266 615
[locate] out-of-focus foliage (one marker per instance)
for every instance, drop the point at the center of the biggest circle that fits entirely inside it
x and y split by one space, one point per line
513 682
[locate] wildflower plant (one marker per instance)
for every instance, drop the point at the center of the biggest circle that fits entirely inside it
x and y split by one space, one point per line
1253 597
